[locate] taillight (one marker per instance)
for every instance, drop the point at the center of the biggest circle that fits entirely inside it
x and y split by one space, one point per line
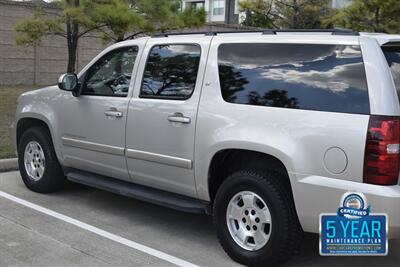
381 159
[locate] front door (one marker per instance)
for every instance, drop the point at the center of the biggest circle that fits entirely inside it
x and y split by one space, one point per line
93 124
162 114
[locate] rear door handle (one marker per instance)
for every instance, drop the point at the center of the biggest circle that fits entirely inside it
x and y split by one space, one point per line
178 117
113 112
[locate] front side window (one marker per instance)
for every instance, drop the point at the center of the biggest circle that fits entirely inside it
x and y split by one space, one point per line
299 76
111 74
392 54
171 71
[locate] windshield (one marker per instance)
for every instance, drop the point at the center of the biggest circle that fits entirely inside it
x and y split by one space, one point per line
392 54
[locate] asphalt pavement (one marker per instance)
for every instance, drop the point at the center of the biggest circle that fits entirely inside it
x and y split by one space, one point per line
82 226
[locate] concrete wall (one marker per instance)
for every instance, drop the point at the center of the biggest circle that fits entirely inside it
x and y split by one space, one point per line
43 65
35 65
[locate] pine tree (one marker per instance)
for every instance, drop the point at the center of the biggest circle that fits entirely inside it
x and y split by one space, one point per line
370 16
114 19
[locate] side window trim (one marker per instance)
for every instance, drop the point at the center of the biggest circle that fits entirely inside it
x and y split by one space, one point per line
168 97
391 51
83 73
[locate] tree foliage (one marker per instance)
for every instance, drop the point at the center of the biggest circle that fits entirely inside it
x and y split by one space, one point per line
302 14
362 15
370 16
116 20
164 15
258 13
293 14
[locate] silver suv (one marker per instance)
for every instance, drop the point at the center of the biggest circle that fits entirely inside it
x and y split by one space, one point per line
263 130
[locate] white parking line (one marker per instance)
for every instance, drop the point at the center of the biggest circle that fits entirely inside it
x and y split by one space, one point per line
100 232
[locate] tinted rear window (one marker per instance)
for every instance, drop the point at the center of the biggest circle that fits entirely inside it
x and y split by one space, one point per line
301 76
392 54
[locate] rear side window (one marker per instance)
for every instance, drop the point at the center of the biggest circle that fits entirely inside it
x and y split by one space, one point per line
171 71
392 54
299 76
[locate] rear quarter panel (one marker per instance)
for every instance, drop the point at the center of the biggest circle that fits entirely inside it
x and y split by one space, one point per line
299 138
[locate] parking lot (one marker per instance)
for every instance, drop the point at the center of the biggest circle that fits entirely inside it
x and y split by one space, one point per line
88 227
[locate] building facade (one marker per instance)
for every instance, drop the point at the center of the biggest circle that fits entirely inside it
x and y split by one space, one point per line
219 11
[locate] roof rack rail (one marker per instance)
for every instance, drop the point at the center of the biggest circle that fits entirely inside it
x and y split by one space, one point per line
209 33
335 31
266 31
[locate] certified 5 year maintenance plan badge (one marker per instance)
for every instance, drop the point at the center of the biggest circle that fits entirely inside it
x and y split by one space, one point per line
353 230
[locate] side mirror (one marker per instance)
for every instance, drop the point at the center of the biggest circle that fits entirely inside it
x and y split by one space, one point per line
69 82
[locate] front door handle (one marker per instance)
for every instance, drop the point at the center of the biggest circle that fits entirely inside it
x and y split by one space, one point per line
113 112
178 117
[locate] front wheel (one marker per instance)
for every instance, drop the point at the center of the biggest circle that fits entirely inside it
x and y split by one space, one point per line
38 164
256 221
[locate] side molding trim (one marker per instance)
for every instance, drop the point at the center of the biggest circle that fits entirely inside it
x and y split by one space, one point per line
114 150
130 153
159 158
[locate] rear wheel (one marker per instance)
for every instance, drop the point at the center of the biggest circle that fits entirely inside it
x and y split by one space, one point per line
38 164
256 221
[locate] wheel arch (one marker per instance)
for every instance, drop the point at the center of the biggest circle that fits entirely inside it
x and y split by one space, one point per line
227 161
29 121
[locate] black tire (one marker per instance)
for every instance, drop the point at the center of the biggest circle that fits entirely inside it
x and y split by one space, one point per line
286 231
53 178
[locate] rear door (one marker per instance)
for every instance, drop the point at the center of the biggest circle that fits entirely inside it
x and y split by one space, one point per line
162 116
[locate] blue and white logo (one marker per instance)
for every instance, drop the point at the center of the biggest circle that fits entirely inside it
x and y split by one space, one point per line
354 206
353 230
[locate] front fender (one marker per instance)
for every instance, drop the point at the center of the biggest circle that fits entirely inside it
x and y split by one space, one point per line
38 105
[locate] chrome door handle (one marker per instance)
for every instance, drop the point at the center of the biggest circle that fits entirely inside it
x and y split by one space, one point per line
113 112
178 117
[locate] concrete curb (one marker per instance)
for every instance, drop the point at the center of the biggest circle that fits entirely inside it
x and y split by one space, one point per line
8 164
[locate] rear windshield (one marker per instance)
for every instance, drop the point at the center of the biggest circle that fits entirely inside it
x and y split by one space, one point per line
297 76
392 54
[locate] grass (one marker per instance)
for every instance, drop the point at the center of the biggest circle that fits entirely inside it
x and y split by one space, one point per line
8 102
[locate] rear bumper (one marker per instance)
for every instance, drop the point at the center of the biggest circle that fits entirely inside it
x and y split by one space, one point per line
315 195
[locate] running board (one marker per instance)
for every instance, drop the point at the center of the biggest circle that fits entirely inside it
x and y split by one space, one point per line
140 192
